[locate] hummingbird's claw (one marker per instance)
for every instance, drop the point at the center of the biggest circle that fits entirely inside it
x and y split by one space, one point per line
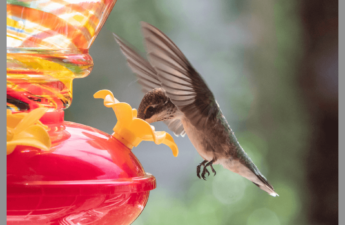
208 173
204 172
205 163
198 169
213 170
210 164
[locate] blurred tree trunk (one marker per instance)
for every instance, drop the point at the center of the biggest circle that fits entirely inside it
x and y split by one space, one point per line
295 60
319 81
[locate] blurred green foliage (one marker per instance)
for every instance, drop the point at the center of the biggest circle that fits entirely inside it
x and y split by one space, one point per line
252 48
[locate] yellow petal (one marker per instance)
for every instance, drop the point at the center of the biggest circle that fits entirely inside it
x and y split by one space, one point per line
123 112
142 129
169 141
34 134
42 125
134 113
107 96
162 137
9 133
13 119
131 130
159 136
146 132
26 142
109 101
30 119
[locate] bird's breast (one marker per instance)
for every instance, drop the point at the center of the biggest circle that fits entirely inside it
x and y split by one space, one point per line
199 140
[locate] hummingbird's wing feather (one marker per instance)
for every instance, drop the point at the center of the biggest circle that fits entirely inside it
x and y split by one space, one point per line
176 126
184 86
146 74
147 78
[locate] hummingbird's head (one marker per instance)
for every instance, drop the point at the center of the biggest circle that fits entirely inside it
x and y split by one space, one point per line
156 106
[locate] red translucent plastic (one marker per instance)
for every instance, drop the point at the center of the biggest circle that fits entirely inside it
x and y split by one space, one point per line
88 177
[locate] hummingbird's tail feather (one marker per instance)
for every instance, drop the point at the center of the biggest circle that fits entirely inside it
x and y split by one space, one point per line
265 185
251 173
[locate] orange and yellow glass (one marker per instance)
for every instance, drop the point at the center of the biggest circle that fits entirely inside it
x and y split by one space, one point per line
47 47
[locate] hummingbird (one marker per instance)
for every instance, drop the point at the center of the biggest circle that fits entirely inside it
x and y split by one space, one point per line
176 94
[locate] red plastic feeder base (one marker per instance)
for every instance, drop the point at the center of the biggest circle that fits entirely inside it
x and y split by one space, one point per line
88 177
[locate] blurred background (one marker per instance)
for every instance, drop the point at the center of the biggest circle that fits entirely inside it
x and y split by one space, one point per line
273 68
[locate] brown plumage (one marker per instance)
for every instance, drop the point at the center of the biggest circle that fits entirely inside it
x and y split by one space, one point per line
156 106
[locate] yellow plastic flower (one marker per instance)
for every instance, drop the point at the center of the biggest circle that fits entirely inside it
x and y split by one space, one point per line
131 130
26 129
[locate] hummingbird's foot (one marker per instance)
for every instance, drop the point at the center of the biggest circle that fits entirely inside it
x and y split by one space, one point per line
204 172
198 168
213 170
211 165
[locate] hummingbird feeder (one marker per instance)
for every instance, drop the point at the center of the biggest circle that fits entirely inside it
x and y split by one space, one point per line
61 172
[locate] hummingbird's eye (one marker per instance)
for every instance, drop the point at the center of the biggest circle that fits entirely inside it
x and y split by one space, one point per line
150 109
149 112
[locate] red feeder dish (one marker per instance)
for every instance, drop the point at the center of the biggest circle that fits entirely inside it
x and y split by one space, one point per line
87 176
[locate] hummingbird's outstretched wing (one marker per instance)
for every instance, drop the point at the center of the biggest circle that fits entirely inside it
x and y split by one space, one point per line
146 73
184 86
147 78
